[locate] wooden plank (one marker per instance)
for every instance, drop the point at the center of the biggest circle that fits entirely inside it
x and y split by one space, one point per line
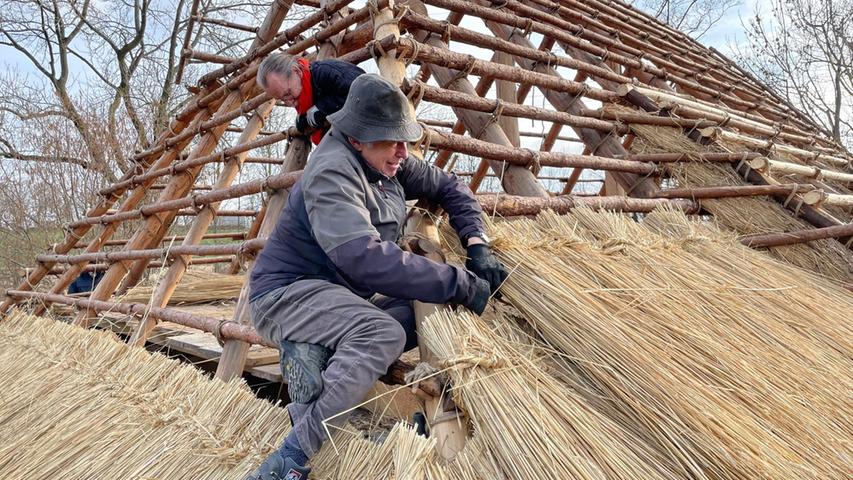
185 340
205 345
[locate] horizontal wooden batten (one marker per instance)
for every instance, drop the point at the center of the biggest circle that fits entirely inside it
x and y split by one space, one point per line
802 236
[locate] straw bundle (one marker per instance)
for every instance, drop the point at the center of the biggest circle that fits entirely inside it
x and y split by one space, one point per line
724 363
80 404
746 216
196 286
402 455
531 423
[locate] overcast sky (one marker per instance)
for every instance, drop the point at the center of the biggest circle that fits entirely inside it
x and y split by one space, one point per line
729 30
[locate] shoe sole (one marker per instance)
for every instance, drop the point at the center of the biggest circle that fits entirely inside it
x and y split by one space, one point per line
302 367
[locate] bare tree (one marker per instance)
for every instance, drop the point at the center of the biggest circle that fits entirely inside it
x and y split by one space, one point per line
693 17
804 50
86 84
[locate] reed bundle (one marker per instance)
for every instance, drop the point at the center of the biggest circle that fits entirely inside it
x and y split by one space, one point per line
532 425
723 362
402 455
80 404
196 286
745 216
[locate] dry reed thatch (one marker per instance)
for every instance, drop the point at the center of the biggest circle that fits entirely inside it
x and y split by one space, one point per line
654 350
197 285
745 216
80 404
724 362
532 425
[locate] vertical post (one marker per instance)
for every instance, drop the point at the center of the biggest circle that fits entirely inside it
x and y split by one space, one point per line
234 352
506 92
517 180
450 436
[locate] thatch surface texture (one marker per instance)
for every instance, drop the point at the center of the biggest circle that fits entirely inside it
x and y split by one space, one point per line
78 404
662 345
81 404
744 216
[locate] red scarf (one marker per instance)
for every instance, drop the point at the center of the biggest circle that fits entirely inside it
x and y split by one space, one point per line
306 97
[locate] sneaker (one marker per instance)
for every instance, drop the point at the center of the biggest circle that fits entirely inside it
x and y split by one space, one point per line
302 366
276 467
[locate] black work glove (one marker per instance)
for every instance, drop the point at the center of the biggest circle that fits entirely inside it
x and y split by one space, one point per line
479 298
302 123
484 264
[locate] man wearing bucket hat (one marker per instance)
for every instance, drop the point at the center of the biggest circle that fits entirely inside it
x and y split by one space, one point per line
332 278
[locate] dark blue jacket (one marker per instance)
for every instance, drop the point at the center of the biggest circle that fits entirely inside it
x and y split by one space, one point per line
343 219
86 282
330 82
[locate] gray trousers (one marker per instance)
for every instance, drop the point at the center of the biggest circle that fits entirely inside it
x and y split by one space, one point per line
367 336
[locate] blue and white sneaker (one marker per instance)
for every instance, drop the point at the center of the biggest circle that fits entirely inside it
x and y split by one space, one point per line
276 467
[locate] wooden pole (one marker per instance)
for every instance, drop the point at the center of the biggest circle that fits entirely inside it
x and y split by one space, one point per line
842 232
516 179
205 217
506 93
770 145
450 436
734 191
234 352
820 197
513 205
764 164
136 196
607 144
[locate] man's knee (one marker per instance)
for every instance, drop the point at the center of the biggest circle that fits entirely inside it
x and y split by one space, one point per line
389 336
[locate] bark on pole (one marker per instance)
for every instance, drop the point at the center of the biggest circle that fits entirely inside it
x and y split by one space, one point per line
841 232
506 93
108 230
200 225
599 143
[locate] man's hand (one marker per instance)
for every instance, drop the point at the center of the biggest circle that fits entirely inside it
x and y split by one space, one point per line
311 120
315 118
478 301
483 263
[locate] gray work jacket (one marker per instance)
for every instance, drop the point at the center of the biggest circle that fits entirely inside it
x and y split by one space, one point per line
343 219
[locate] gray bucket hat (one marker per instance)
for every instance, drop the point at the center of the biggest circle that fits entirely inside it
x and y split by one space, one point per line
375 111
